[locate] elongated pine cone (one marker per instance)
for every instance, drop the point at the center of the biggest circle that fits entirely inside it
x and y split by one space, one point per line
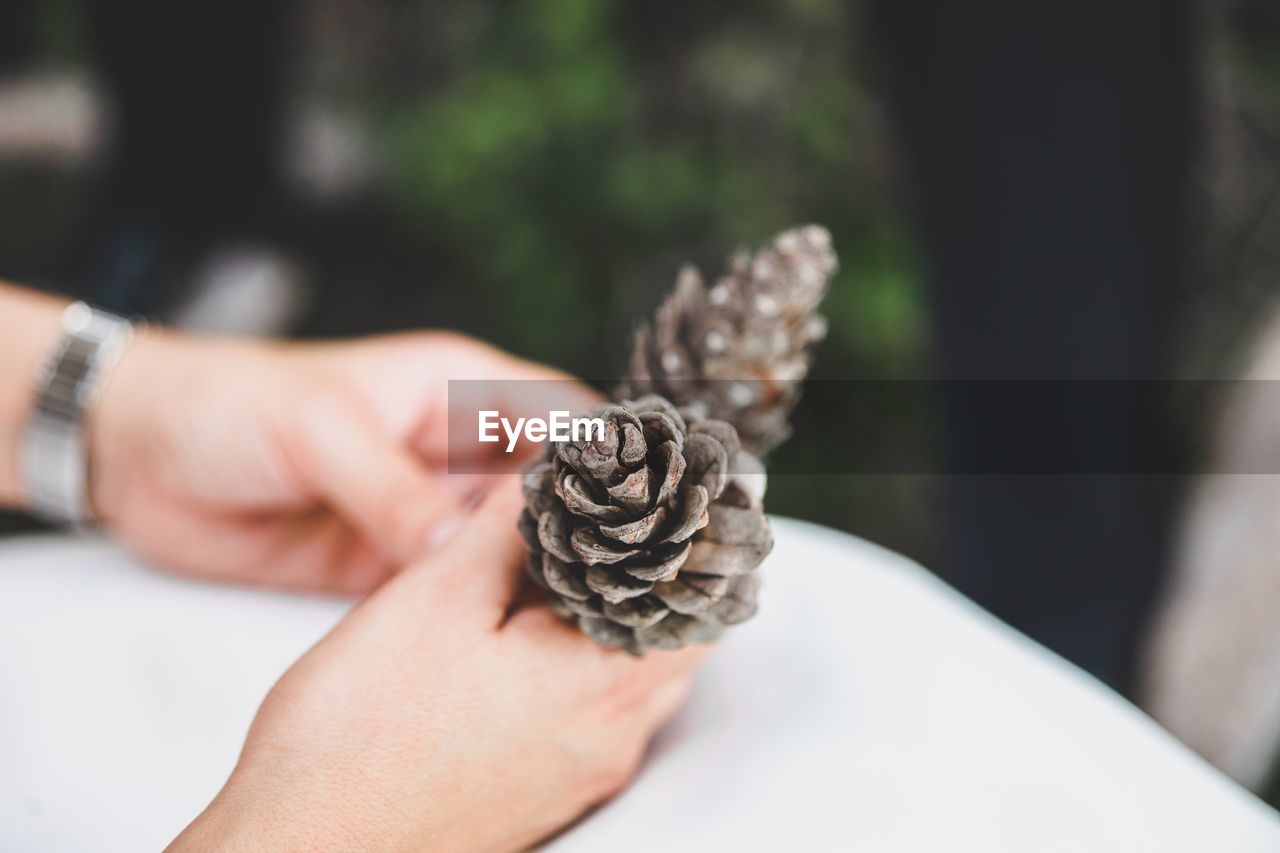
740 350
650 537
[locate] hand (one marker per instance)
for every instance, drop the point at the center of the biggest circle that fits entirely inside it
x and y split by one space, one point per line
312 466
442 715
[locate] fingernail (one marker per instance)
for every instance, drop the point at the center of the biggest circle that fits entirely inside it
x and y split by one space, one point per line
444 530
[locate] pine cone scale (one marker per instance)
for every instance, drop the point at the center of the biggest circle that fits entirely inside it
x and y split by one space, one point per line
716 558
665 565
571 489
737 526
593 549
615 587
551 536
692 595
692 509
632 494
559 576
636 532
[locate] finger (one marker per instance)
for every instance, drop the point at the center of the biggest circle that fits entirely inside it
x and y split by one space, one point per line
658 665
314 552
483 564
636 680
529 596
467 488
603 667
636 695
372 480
539 632
665 702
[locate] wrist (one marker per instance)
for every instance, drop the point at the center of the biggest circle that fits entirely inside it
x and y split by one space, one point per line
30 325
123 428
253 814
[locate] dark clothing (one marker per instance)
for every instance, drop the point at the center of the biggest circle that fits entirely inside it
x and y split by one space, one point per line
1049 149
196 91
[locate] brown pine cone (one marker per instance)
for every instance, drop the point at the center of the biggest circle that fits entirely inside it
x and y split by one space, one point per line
740 349
650 537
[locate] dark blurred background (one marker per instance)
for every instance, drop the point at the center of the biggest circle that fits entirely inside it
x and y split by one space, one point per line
533 173
530 173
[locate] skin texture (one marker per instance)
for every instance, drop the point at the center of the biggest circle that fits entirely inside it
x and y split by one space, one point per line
442 714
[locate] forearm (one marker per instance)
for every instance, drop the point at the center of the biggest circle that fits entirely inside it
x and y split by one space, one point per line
28 329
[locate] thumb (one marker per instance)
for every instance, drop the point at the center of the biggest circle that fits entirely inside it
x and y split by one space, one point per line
372 480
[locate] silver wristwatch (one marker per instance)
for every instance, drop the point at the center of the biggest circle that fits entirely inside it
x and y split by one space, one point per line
54 456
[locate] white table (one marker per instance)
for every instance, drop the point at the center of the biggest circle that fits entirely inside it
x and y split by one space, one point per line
868 707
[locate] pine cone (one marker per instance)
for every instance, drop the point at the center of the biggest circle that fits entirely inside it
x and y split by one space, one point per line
650 537
740 350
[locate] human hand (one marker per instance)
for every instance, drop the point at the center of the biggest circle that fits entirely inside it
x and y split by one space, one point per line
440 714
309 466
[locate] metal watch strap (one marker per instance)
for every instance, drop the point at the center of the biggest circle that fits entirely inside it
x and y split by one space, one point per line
55 464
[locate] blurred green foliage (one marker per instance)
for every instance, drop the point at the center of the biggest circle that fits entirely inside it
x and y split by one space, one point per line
569 155
546 166
575 158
